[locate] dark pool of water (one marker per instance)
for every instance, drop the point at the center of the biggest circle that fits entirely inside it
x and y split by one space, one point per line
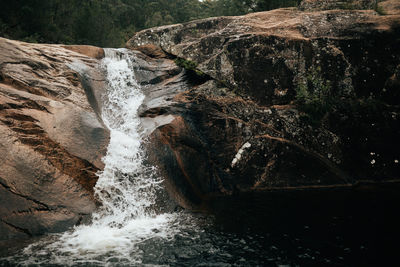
357 227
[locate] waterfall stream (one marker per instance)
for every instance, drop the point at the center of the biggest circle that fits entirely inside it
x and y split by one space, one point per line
126 188
126 230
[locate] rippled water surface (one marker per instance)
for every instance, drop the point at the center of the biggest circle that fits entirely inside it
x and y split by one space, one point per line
204 240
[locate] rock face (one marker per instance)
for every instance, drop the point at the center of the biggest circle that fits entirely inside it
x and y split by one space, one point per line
51 137
290 99
266 55
390 7
280 100
315 5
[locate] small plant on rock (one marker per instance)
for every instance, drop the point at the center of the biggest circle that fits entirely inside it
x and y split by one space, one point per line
195 76
314 96
188 65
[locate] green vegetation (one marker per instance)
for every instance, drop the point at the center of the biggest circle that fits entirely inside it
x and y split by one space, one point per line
379 9
186 64
317 101
194 75
109 23
315 97
189 65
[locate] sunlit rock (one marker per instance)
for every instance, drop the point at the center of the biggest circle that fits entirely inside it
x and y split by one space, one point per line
52 139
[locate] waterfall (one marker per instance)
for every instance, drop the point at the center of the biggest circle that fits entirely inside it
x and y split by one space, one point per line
126 187
126 231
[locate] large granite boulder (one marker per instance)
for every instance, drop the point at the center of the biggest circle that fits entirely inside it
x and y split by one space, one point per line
279 100
337 4
51 137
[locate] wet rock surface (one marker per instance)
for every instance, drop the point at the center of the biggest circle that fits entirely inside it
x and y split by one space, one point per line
52 139
279 101
292 100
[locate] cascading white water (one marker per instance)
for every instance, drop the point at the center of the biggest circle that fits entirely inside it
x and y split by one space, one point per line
125 230
126 187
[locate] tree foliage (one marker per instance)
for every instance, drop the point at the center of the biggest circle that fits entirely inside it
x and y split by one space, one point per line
109 23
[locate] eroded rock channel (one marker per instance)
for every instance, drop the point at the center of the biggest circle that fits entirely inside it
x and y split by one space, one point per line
291 106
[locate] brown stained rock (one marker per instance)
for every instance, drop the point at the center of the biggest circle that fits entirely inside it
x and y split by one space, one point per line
51 138
390 7
172 148
242 129
87 50
195 150
317 5
267 55
152 51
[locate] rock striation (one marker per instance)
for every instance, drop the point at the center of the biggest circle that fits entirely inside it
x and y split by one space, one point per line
315 5
51 136
281 100
291 99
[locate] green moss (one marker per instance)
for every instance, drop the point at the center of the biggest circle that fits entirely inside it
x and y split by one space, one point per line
189 66
194 31
314 96
194 75
379 9
186 64
317 101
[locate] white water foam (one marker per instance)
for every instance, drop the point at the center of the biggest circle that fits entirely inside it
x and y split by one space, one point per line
126 187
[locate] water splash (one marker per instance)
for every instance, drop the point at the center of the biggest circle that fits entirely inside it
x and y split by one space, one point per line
126 187
127 232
